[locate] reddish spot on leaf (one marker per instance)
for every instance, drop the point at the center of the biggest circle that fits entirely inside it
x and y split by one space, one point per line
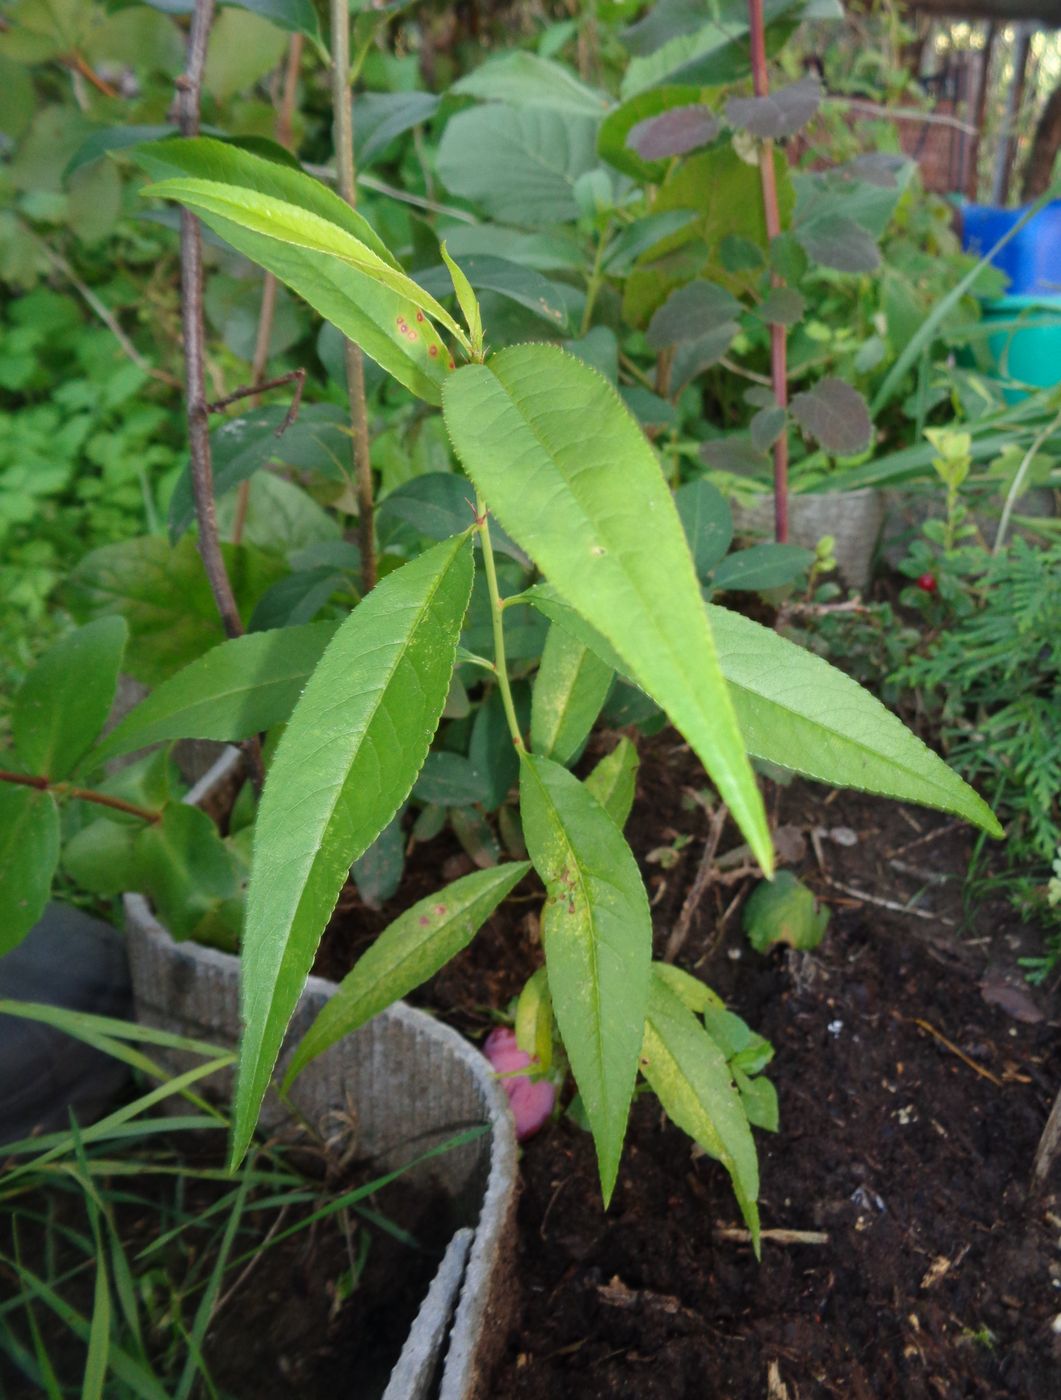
432 350
419 315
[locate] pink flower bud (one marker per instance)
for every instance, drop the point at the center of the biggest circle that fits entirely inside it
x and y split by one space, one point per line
531 1100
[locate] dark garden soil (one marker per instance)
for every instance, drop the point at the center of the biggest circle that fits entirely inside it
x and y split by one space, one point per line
915 1071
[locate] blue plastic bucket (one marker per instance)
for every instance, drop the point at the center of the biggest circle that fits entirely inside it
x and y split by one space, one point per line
1032 257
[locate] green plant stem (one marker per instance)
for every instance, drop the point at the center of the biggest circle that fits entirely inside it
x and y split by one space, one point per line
596 281
1018 482
102 799
496 617
343 128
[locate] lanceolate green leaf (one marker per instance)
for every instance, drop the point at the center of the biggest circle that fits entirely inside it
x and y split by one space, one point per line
345 764
301 228
367 311
573 480
798 711
64 701
569 690
407 953
613 782
689 1075
238 688
29 853
597 934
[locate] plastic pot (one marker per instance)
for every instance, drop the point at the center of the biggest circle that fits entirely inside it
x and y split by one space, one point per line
853 518
405 1082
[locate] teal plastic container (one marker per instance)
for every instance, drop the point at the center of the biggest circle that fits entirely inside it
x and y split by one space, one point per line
1027 343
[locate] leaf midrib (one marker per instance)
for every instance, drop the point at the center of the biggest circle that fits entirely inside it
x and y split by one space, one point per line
616 555
594 960
339 788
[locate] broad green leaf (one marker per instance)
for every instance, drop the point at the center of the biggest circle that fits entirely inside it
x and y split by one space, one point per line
784 911
296 600
406 954
344 765
164 595
451 780
366 310
534 1020
29 853
690 312
689 1075
380 117
597 935
640 236
523 285
713 53
571 477
525 80
569 690
378 873
519 164
798 711
241 687
759 1098
762 566
613 782
101 857
318 441
492 752
299 228
243 50
191 876
64 701
707 521
298 16
803 714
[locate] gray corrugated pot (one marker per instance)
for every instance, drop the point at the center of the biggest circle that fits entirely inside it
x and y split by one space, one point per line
853 518
401 1084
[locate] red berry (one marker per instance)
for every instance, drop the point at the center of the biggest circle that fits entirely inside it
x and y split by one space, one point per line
927 583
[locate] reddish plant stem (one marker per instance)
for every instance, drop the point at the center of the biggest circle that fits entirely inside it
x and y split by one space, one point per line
778 334
102 799
297 377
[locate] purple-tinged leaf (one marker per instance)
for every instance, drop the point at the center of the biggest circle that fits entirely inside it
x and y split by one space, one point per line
836 416
734 454
781 113
840 243
782 306
694 356
690 312
674 133
766 427
875 168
